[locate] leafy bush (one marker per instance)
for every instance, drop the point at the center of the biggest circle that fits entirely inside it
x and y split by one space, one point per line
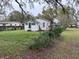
46 38
58 30
42 41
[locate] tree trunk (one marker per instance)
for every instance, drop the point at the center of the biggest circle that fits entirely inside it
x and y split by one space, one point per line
51 26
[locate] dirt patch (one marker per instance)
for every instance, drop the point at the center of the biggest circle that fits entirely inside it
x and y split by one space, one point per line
60 50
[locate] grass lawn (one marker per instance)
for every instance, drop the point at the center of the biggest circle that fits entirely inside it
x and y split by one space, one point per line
13 42
67 48
71 34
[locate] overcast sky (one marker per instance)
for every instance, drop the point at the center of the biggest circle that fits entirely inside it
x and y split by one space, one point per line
34 11
37 8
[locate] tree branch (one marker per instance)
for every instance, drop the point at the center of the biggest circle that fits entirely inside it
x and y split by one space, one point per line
61 6
55 2
23 12
21 7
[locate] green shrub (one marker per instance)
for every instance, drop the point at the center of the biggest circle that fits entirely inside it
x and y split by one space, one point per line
46 38
58 30
42 41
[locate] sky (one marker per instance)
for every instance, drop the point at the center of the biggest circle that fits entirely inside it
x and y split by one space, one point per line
34 11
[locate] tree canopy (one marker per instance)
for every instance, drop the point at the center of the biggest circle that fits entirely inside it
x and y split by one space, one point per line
55 4
18 16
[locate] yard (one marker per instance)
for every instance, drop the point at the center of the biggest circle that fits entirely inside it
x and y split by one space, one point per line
66 48
16 42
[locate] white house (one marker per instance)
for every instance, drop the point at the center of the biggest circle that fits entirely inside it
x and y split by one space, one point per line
43 24
31 26
36 25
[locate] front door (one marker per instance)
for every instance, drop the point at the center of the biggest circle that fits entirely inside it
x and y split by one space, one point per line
29 25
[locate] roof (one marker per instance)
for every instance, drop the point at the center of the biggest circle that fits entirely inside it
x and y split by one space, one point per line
9 22
41 20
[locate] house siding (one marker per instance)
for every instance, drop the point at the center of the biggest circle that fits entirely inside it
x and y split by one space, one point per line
39 24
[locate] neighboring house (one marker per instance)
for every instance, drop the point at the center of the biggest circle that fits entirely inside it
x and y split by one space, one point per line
75 24
10 25
36 25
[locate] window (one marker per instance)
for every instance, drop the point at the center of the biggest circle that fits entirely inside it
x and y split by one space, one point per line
29 25
4 24
44 24
33 23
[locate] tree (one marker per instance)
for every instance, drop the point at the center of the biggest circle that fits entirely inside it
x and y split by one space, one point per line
54 3
38 16
67 18
18 16
30 17
49 15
